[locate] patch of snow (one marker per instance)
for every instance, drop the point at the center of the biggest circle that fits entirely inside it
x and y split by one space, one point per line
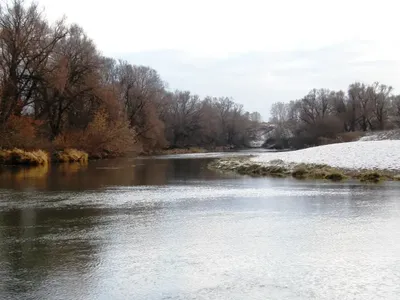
384 155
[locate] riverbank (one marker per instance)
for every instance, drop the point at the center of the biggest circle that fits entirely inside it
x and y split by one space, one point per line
40 157
367 161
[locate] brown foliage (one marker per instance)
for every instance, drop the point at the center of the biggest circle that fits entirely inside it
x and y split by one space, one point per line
54 73
102 138
20 132
150 133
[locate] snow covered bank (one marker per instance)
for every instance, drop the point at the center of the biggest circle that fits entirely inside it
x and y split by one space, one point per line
368 155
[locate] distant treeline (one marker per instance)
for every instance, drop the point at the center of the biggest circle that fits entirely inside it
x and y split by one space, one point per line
324 116
57 91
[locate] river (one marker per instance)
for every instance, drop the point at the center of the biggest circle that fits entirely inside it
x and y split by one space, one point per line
169 228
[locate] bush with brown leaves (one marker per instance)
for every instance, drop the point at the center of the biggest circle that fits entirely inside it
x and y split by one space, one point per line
102 138
20 132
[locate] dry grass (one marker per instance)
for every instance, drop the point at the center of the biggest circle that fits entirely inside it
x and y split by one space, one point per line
315 171
373 177
257 170
22 157
300 173
278 169
70 156
242 166
335 176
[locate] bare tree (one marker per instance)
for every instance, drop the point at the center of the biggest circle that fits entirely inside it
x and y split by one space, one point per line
68 83
26 44
315 106
185 118
280 112
53 78
255 117
381 104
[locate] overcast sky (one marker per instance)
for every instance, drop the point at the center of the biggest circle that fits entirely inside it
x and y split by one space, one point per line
256 51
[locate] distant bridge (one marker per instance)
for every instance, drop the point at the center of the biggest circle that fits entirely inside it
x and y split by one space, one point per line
259 134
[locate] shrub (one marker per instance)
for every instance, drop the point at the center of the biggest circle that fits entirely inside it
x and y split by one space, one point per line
19 132
374 177
300 173
259 170
335 176
21 157
70 155
102 138
275 171
319 174
317 171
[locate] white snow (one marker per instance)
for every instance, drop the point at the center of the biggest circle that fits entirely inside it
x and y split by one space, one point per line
384 155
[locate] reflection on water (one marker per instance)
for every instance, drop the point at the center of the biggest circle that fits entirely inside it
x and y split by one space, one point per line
99 174
69 169
37 245
172 229
24 177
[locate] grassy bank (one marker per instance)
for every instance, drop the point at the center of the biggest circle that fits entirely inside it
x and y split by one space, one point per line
22 157
277 168
40 157
70 155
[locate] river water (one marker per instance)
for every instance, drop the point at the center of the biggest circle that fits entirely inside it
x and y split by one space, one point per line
168 228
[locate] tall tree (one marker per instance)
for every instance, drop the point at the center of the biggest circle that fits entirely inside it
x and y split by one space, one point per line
26 43
66 94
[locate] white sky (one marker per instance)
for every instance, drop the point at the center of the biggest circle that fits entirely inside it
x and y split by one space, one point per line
219 38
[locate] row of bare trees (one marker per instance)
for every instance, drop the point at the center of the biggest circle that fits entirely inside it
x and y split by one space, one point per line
324 115
210 121
57 89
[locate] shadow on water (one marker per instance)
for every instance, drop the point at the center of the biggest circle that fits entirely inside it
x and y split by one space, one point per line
105 173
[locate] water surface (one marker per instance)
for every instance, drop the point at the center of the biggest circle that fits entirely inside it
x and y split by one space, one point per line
169 228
